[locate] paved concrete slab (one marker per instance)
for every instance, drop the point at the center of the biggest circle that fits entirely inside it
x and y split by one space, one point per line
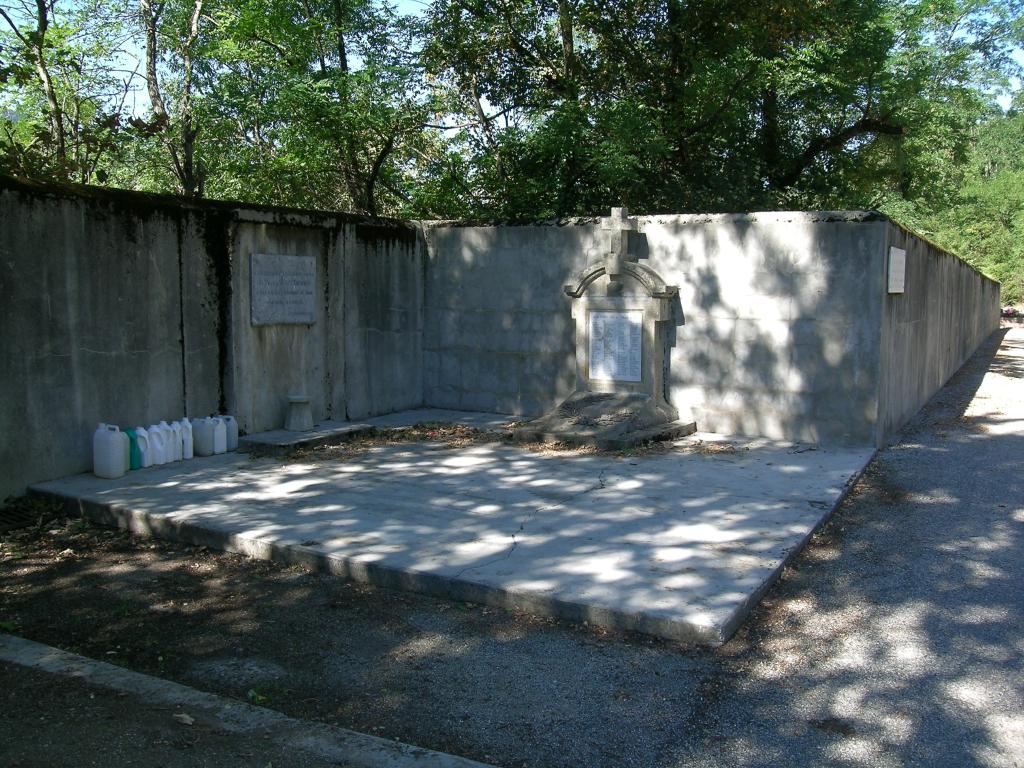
285 439
679 545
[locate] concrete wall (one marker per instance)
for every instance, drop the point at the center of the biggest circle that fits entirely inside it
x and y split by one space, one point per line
271 362
777 330
362 355
129 308
946 310
781 321
383 318
92 325
497 331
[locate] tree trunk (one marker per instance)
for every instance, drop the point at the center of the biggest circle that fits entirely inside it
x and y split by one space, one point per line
191 184
36 47
770 157
570 66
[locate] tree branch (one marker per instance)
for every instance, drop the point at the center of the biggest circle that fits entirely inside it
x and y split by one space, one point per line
14 28
822 144
149 19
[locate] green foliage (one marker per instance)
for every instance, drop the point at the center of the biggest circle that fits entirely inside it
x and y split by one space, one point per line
523 109
74 128
983 220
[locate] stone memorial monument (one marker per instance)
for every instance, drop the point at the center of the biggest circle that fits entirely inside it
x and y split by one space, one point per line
624 314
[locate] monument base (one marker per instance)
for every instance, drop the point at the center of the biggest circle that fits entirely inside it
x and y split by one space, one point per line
606 420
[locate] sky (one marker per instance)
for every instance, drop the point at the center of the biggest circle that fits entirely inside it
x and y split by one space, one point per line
139 102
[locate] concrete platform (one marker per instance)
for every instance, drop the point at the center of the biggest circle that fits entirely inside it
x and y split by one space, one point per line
679 545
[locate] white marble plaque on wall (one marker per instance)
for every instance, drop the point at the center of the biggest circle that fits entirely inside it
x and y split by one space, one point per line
616 341
897 270
283 289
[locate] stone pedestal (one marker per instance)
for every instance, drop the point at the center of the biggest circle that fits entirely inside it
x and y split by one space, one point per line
623 312
300 414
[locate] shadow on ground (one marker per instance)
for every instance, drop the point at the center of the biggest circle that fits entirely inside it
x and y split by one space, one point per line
674 544
895 638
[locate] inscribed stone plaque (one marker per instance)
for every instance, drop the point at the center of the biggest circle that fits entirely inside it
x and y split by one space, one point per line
283 289
616 341
897 270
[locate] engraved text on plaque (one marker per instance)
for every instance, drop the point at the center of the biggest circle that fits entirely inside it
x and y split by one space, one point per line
615 345
283 289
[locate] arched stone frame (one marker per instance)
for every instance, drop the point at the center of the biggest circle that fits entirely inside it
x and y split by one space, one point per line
656 305
647 277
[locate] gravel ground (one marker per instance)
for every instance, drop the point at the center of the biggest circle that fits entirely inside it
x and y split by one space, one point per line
895 638
57 722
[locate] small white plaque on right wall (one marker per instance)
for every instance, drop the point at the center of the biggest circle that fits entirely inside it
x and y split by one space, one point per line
897 270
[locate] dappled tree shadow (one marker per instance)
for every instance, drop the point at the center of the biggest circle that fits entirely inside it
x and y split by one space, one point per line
673 544
895 638
890 642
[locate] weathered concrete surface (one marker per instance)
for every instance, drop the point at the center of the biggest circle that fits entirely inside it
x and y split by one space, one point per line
609 421
947 309
494 422
283 441
271 362
383 319
299 741
362 356
781 321
498 335
131 308
898 641
679 545
91 327
893 640
776 332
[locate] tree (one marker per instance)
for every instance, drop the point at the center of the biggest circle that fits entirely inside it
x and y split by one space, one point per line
311 103
983 219
711 106
172 33
63 89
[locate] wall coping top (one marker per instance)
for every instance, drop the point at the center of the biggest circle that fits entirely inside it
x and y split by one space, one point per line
685 218
150 202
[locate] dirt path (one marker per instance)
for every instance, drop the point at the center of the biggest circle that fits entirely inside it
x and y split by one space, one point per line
896 638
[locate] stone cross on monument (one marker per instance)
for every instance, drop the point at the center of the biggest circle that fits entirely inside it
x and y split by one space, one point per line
617 229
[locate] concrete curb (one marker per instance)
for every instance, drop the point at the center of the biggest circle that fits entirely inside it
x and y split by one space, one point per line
347 747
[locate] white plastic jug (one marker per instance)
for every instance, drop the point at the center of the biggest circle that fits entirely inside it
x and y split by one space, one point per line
126 445
186 439
169 453
157 444
232 428
202 436
176 440
108 446
145 449
220 435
